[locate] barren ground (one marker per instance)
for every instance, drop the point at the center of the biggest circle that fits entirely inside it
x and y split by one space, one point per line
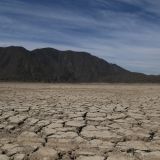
79 122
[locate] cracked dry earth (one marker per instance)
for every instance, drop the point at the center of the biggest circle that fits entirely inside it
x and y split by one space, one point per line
79 122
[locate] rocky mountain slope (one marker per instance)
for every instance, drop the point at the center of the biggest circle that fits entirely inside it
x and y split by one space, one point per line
51 65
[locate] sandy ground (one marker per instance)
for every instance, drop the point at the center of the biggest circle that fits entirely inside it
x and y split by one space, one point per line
79 121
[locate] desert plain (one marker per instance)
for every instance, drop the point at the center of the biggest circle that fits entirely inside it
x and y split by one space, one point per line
79 121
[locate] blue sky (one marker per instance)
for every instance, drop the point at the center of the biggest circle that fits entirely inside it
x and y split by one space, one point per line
125 32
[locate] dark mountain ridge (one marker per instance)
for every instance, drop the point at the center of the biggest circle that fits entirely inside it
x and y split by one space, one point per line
51 65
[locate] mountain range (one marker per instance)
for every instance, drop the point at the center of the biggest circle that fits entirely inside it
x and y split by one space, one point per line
51 65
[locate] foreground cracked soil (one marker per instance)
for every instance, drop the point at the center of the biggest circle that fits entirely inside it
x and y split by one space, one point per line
79 122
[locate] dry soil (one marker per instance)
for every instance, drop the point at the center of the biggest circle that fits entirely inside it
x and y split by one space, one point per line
79 121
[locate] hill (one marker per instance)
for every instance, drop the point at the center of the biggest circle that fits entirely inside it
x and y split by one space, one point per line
51 65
